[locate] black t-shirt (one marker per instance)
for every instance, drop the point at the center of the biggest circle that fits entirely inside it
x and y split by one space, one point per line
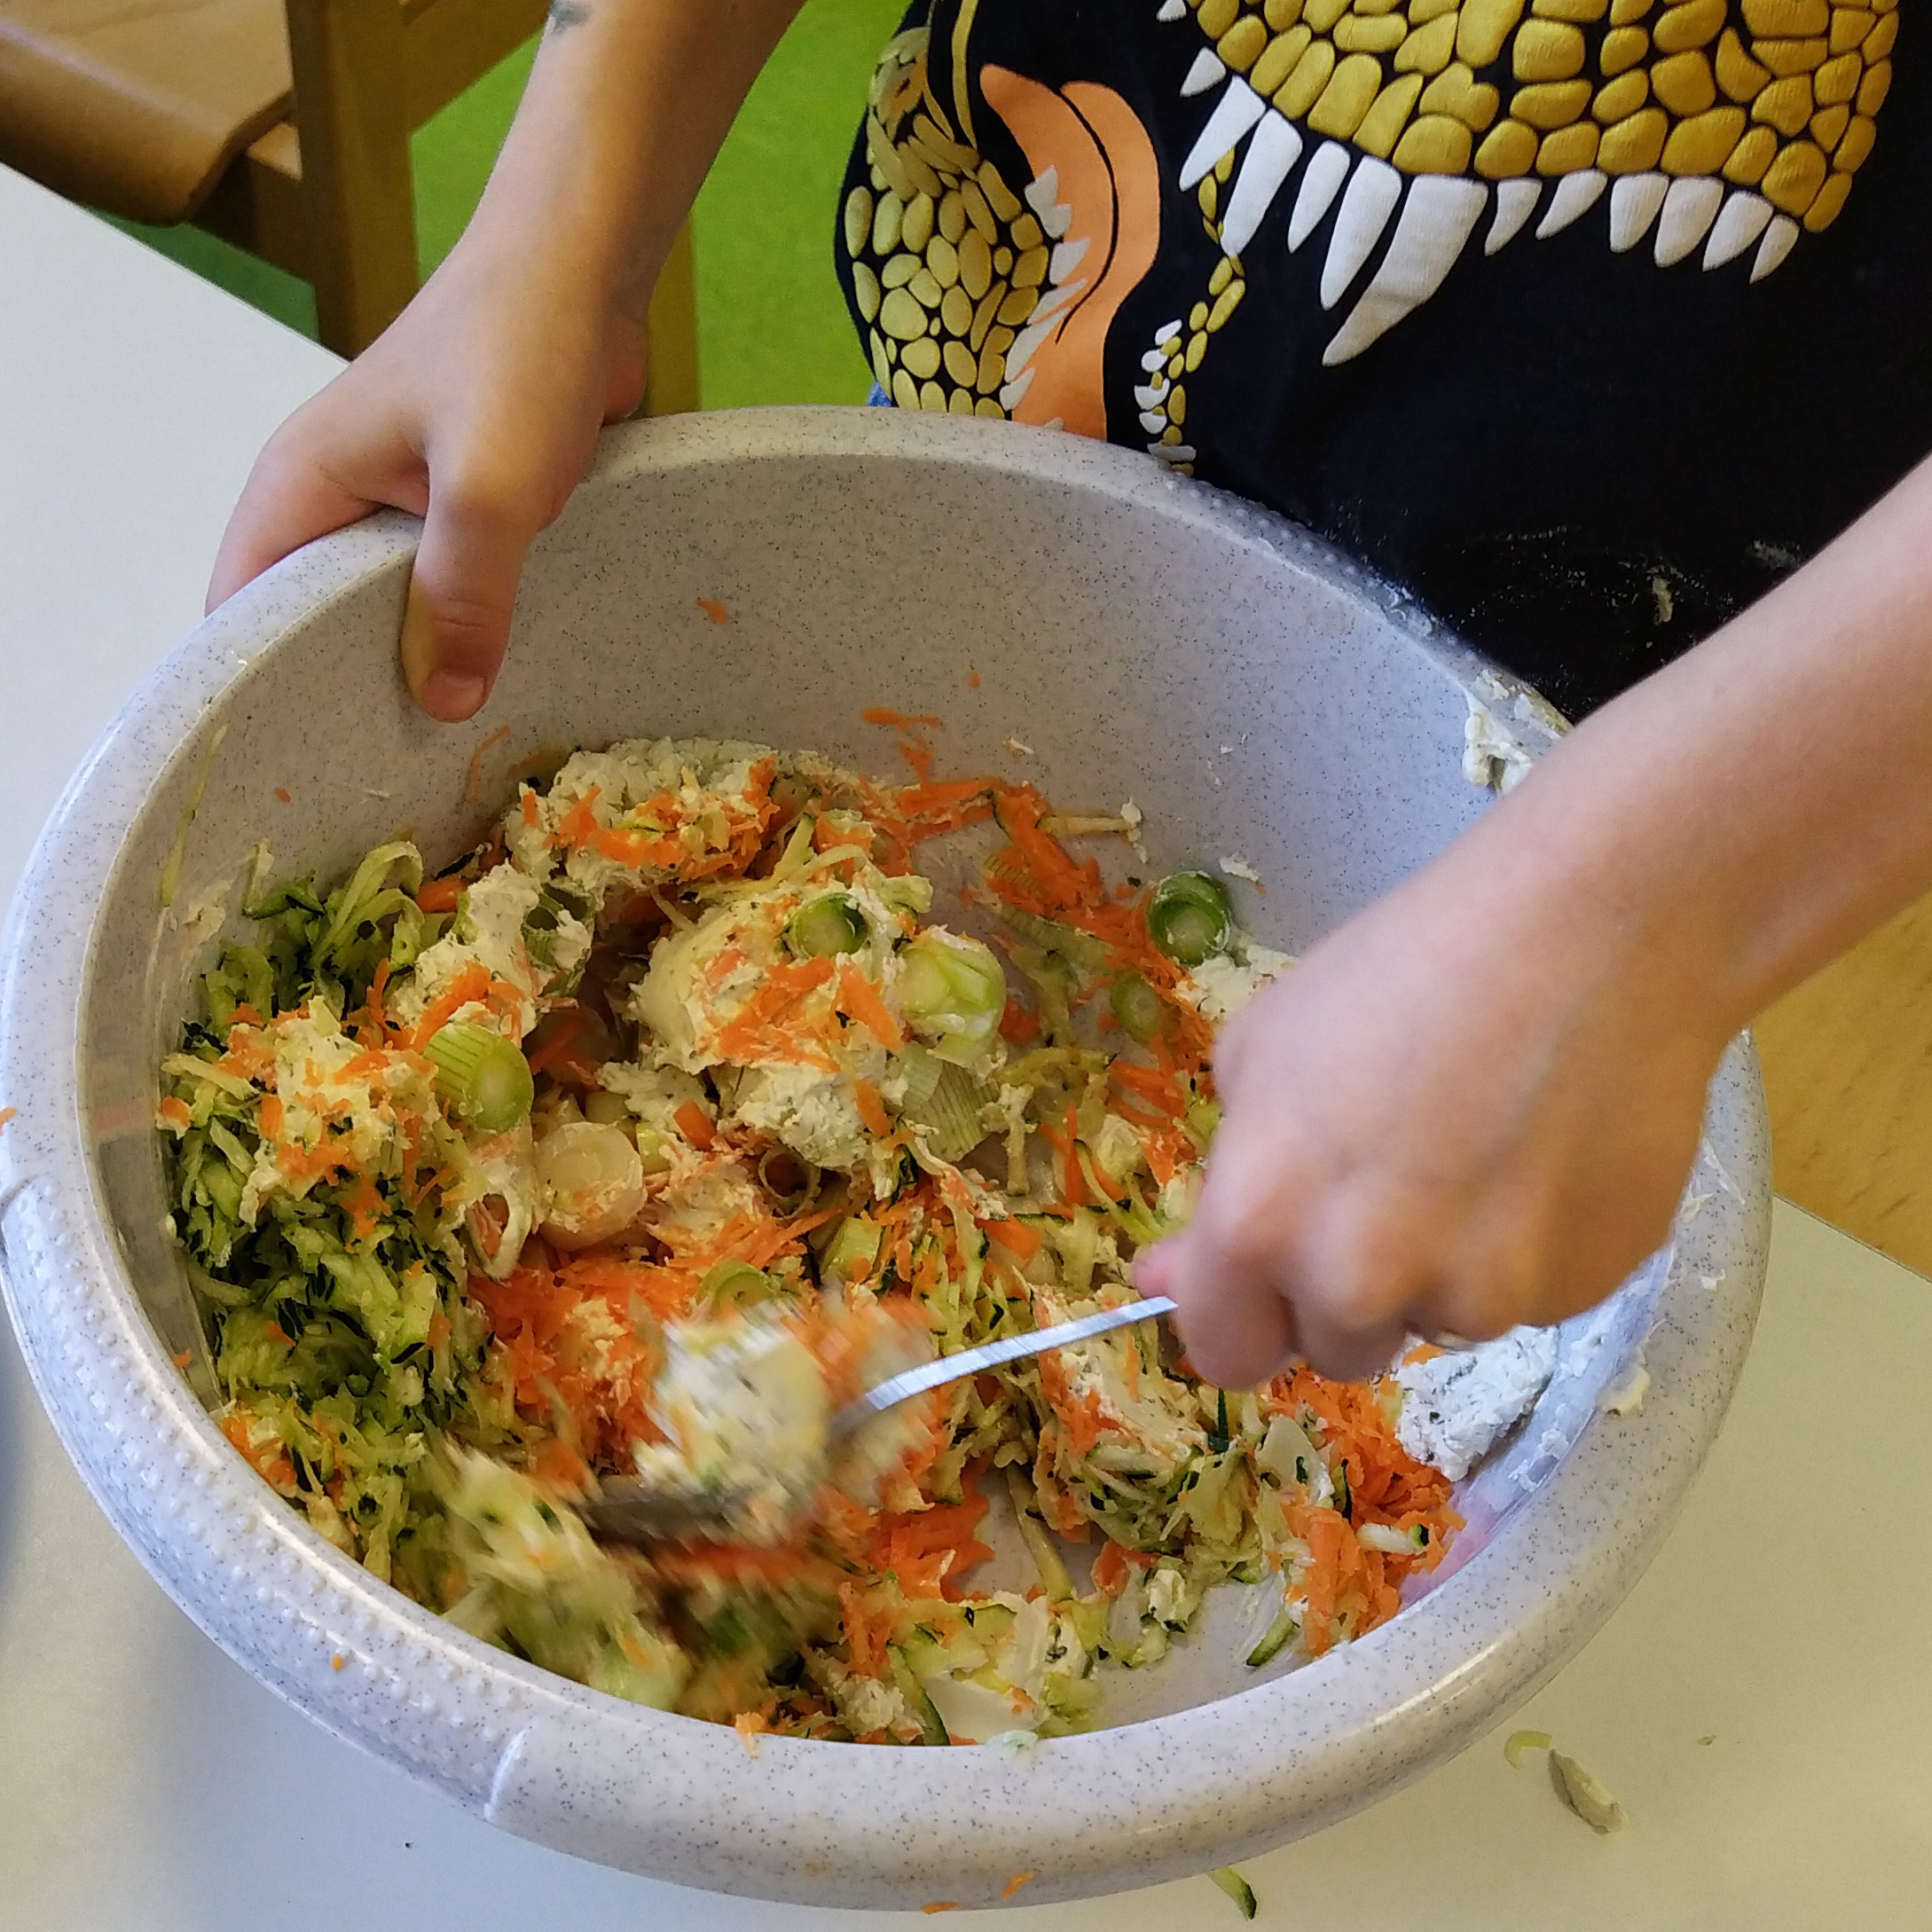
1583 319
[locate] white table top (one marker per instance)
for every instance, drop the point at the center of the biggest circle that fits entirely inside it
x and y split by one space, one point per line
148 1782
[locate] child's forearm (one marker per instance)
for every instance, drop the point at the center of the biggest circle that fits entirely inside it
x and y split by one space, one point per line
628 102
1474 1104
1753 809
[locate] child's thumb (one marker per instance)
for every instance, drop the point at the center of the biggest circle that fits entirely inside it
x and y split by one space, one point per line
456 624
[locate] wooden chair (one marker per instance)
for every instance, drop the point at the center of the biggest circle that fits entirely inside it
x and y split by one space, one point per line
282 126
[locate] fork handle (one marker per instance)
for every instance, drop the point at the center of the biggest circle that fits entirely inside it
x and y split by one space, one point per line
899 1388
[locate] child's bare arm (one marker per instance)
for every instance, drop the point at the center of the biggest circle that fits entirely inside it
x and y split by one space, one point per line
478 408
1476 1104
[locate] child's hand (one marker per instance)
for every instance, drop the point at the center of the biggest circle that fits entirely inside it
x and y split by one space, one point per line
478 410
1474 1105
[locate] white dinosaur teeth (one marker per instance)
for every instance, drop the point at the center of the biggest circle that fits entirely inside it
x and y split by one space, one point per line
1172 10
1042 195
1744 219
1150 396
1024 343
1436 222
1689 210
1206 72
1775 246
1066 258
1515 203
1575 196
1274 150
1366 207
1155 359
1170 454
1011 393
1166 336
1057 298
1320 184
1152 422
1235 113
1634 203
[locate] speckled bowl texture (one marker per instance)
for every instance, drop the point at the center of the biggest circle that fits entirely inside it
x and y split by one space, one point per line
1254 692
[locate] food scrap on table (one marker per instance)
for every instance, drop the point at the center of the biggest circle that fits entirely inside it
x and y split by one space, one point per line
1580 1790
1238 1888
1586 1795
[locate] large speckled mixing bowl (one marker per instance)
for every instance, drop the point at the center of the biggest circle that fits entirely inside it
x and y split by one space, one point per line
1146 638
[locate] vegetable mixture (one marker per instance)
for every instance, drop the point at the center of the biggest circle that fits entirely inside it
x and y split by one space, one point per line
496 1183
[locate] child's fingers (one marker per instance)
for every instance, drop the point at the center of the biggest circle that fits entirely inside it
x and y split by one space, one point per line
456 625
1238 1332
1281 1262
287 502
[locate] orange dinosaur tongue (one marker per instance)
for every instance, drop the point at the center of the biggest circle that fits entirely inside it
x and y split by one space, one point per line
1105 188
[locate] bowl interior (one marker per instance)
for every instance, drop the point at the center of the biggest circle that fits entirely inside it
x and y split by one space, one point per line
1255 697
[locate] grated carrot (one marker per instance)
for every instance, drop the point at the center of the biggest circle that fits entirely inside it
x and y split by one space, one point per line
471 986
1014 1236
474 791
578 826
440 895
1019 1023
859 1000
872 1114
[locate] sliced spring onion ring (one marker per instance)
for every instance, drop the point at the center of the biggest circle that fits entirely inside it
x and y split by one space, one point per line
1188 917
735 1284
1137 1007
826 927
954 992
482 1077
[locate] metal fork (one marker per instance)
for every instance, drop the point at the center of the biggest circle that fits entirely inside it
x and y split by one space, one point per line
627 1511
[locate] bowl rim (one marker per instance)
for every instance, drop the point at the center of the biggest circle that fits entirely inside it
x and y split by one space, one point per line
537 1754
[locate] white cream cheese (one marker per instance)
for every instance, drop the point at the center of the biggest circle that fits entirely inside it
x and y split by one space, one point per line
709 783
1457 1405
815 1113
1221 986
746 1411
489 931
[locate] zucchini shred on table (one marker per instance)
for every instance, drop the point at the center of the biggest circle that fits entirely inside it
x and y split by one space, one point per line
457 1162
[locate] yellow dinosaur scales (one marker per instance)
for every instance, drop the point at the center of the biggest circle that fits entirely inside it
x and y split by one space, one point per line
1728 126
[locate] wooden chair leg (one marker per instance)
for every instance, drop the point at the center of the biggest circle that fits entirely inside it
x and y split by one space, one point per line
352 118
671 384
